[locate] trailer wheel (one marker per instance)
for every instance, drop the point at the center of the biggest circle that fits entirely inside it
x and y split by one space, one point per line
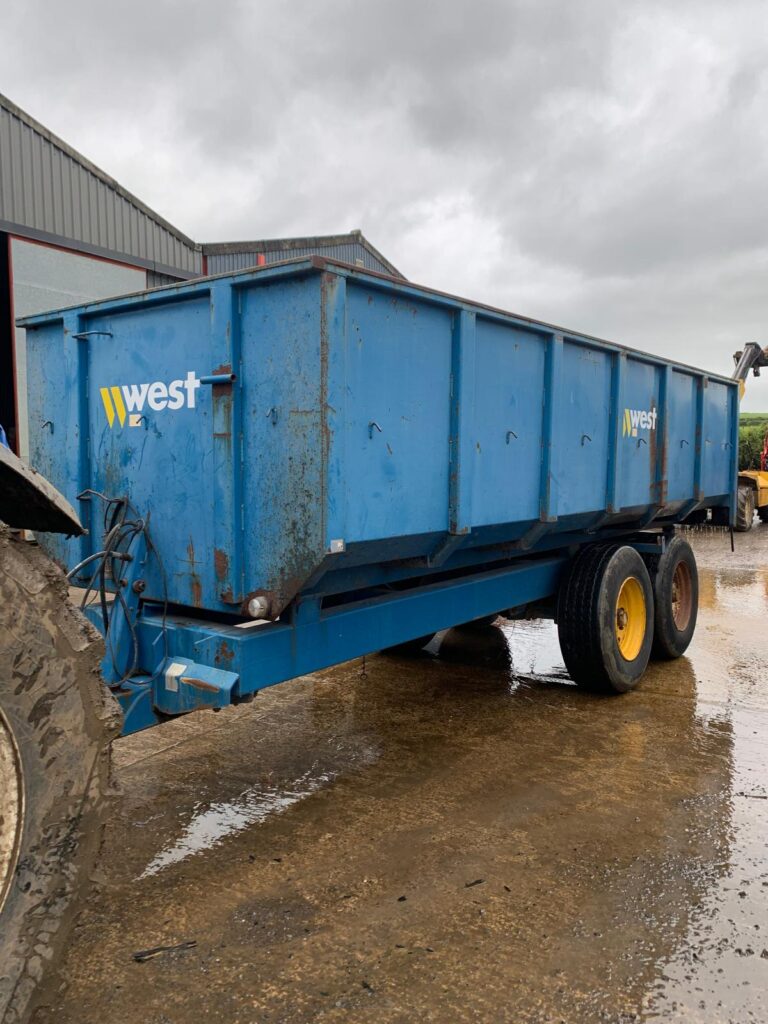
745 508
605 618
56 722
675 581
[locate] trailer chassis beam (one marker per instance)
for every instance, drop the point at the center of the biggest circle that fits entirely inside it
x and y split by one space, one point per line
191 663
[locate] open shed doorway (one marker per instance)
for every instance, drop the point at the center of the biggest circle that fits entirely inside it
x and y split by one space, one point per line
7 371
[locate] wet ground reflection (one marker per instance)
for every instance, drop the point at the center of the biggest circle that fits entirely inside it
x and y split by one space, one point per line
458 837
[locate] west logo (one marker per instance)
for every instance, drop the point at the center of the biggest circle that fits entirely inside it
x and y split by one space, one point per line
638 419
128 400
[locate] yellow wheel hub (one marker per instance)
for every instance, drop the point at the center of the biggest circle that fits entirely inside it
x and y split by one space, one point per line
631 618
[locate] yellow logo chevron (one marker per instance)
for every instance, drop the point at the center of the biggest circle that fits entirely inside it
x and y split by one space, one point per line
113 404
626 428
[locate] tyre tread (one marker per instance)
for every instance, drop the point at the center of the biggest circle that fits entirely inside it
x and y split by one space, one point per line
667 644
63 718
745 508
578 617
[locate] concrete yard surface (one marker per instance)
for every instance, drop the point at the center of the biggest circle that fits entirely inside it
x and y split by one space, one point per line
457 837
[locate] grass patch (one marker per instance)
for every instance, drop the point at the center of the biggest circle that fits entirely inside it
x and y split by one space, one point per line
753 427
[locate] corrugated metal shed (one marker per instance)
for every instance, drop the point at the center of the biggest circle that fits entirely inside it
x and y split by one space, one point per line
227 257
156 280
50 192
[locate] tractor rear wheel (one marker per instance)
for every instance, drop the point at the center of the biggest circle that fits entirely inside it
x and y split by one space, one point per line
745 508
56 722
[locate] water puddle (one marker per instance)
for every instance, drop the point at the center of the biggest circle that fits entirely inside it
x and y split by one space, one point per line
534 650
709 956
622 843
525 650
719 970
211 823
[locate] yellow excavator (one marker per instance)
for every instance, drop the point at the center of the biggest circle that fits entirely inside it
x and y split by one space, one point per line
753 483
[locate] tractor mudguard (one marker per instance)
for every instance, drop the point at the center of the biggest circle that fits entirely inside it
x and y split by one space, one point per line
29 502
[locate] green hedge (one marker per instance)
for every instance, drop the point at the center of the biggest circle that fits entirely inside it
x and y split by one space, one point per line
753 427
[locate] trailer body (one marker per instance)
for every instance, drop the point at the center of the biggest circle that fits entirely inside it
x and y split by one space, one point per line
366 459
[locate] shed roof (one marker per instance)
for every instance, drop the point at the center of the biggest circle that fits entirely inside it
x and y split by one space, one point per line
288 245
50 191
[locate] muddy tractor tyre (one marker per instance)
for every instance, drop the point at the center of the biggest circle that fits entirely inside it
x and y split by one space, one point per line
745 508
675 579
56 723
605 618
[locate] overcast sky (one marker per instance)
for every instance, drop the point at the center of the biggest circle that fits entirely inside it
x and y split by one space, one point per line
602 165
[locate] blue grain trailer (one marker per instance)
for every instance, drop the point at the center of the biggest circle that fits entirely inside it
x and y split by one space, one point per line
307 463
269 472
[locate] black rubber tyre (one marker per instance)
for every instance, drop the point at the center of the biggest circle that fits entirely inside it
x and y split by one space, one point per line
588 618
745 508
56 722
410 648
675 580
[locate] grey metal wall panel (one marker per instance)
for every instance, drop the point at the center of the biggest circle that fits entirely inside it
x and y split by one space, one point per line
229 262
47 187
155 280
45 278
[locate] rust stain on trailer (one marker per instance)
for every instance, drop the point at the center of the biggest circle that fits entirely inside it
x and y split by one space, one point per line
663 480
328 286
196 585
223 653
403 304
199 684
652 456
221 563
657 457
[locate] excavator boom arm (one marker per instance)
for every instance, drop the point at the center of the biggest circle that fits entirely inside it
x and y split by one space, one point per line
752 357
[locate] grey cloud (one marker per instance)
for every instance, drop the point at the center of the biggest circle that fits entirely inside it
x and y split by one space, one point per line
597 164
